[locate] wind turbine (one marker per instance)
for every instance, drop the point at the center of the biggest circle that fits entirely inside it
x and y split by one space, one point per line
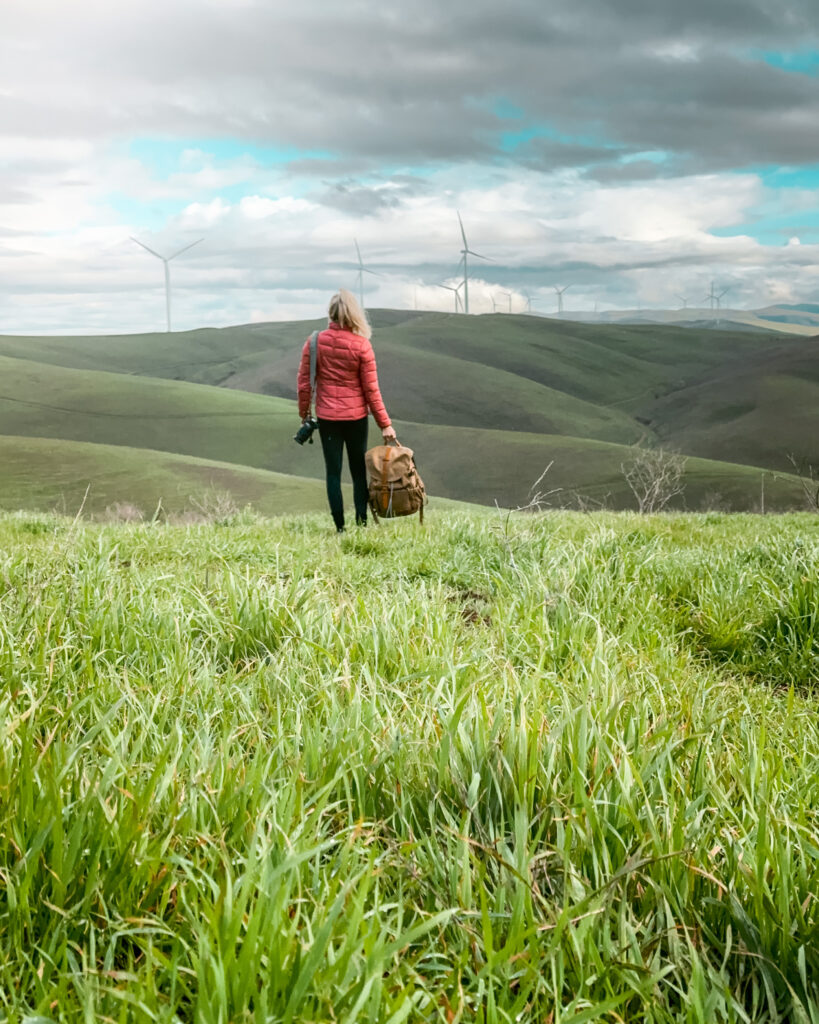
362 270
559 292
464 252
715 299
456 291
166 260
509 297
528 302
683 300
495 305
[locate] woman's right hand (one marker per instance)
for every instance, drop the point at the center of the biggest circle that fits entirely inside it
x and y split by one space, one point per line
388 433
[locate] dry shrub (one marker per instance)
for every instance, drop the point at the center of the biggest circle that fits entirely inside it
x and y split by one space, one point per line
124 512
655 477
214 506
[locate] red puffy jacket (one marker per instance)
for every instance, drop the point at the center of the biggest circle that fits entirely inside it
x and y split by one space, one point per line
346 378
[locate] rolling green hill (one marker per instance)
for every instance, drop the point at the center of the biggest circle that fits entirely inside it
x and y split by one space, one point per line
758 410
43 473
497 371
487 402
254 432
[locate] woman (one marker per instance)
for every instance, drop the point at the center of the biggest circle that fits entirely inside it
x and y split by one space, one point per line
346 388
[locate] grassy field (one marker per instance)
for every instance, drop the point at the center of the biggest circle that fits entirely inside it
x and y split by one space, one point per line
500 768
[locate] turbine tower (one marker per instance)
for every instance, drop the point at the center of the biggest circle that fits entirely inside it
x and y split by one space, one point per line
166 260
509 297
456 292
528 302
559 292
362 270
464 253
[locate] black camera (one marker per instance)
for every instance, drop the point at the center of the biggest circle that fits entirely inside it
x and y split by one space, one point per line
305 431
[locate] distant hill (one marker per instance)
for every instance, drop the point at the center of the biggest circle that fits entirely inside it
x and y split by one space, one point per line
756 410
487 401
798 320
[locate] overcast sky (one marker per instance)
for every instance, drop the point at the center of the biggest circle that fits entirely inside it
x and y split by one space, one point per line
634 150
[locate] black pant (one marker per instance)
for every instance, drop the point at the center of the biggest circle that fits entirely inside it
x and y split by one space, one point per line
334 435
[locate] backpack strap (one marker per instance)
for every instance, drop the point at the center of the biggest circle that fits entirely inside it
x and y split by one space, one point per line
384 488
313 363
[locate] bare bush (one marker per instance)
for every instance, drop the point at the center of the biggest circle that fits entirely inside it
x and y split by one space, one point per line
655 477
124 512
214 506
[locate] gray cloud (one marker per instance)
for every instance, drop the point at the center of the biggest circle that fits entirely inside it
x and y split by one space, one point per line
371 81
367 200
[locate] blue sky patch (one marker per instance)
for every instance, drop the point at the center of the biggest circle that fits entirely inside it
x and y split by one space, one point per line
164 157
803 62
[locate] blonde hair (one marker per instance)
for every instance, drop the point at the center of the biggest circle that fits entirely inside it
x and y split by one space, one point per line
347 313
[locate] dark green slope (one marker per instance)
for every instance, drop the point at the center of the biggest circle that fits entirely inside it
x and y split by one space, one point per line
607 365
756 411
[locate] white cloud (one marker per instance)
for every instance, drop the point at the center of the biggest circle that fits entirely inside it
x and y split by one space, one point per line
270 258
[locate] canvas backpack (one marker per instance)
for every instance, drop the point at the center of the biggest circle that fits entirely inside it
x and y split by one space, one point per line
395 488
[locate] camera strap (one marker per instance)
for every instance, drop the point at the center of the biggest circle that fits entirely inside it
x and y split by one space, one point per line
313 361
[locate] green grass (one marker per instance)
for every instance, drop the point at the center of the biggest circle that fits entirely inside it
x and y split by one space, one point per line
499 768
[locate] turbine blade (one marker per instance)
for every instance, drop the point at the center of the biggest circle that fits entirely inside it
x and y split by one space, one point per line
146 247
473 253
463 233
358 252
198 240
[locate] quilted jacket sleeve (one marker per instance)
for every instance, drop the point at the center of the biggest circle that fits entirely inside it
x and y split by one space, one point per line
304 381
369 385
